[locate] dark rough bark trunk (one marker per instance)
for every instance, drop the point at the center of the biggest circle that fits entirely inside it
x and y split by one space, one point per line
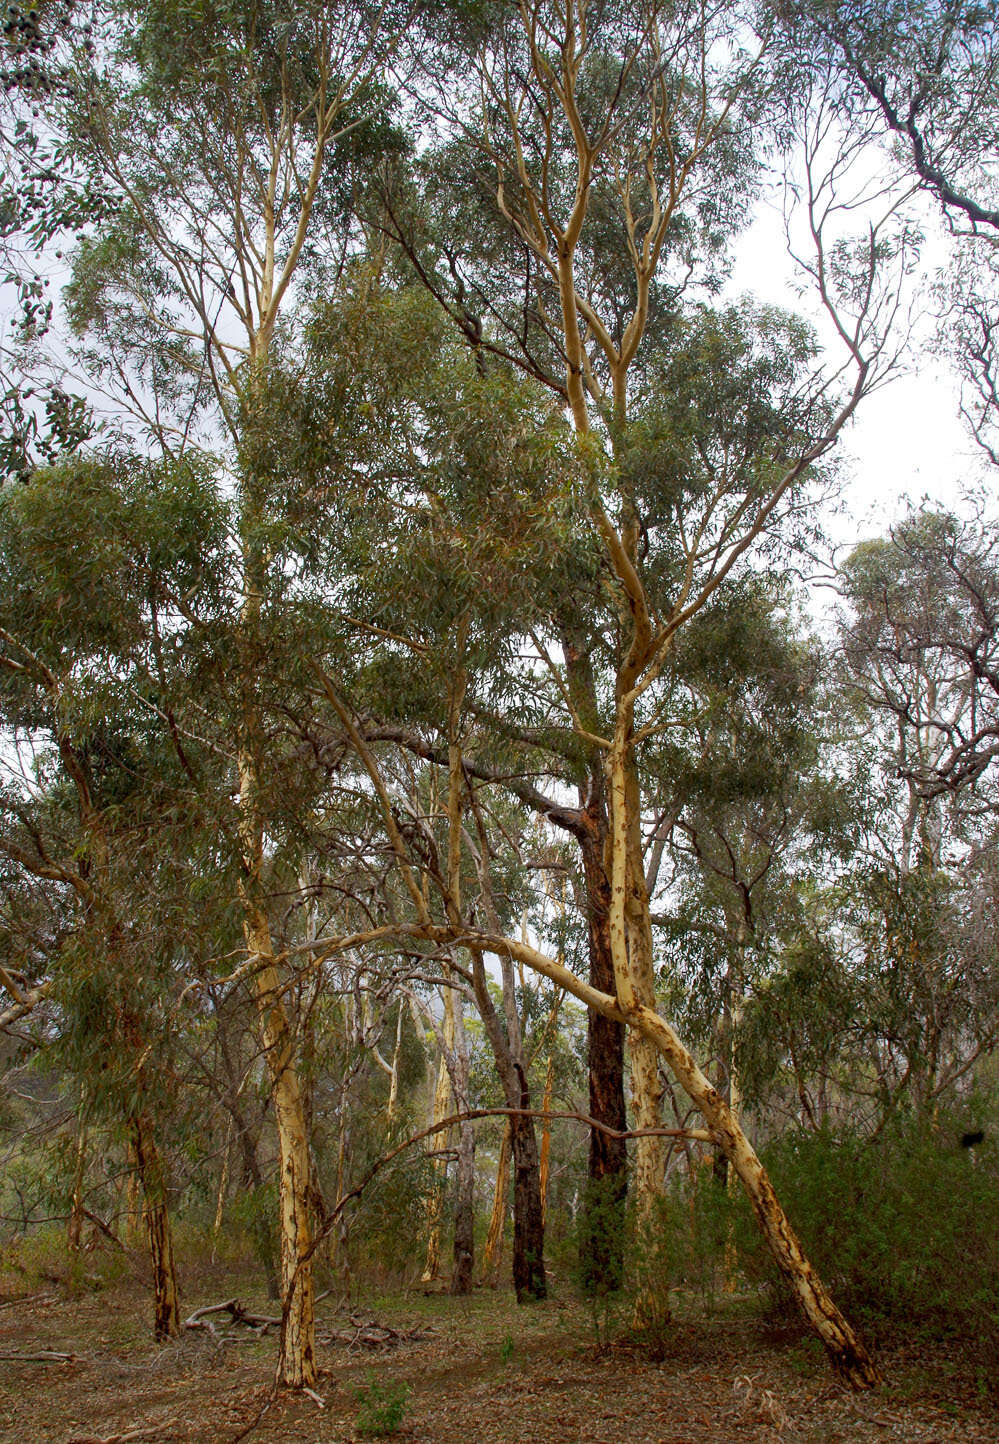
528 1215
601 1245
529 1280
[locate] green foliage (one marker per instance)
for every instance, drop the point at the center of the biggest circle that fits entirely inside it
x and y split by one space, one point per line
903 1228
382 1407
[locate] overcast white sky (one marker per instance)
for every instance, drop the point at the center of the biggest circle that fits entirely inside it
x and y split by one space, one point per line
907 440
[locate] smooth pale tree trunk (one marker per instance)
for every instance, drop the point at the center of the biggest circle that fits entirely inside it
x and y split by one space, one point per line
297 1356
149 1170
634 978
634 972
846 1351
297 1363
439 1144
497 1219
74 1227
393 1098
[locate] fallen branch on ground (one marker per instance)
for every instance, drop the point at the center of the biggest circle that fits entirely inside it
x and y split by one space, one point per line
237 1313
43 1356
147 1431
367 1334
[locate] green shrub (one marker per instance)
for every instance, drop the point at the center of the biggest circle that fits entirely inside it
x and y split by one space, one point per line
904 1229
381 1407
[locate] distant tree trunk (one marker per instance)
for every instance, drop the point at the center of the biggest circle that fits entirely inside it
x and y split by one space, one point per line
546 1135
260 1223
529 1279
439 1144
149 1169
464 1203
528 1221
464 1213
74 1227
497 1219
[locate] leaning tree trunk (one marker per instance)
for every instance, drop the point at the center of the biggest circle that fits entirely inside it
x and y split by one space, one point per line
847 1353
849 1357
149 1169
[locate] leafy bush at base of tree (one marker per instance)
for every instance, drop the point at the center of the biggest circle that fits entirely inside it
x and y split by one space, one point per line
903 1229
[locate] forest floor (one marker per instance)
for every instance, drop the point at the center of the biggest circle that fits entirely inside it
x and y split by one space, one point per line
474 1371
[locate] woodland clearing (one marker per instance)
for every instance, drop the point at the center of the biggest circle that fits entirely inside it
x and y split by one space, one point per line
477 1369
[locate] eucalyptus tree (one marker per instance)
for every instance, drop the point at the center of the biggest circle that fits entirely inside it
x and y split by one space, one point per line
229 137
610 142
96 795
920 644
929 73
459 497
918 637
43 198
925 78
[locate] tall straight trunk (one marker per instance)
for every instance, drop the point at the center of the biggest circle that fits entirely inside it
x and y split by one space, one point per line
297 1362
601 1259
529 1279
439 1144
74 1227
634 977
149 1170
497 1218
464 1201
297 1356
636 964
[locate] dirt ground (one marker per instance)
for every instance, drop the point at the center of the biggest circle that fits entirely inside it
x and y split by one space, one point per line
477 1371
